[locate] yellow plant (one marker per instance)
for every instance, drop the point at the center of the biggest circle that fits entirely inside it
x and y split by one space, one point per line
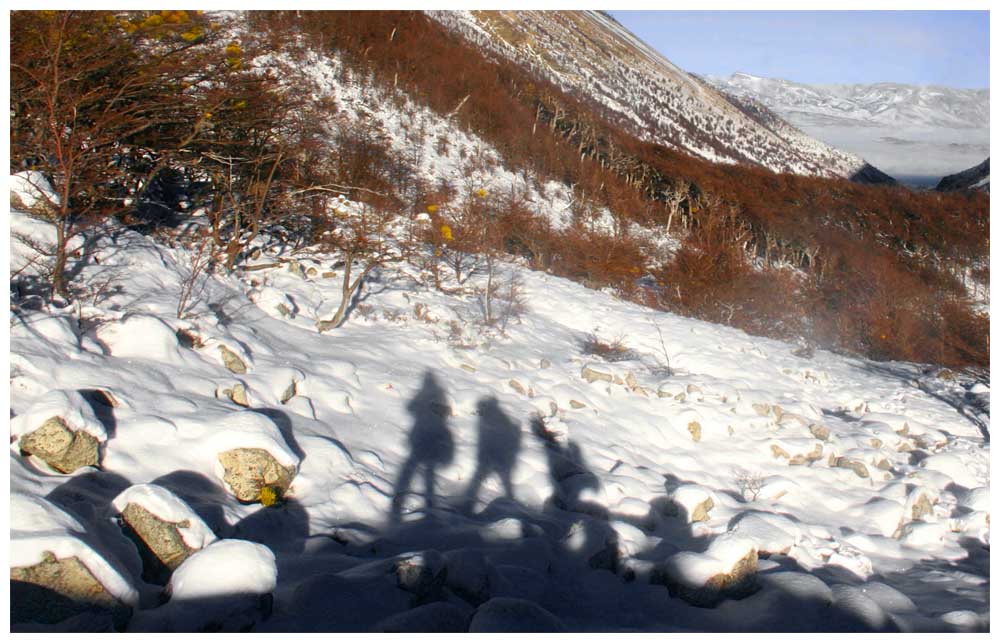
446 233
268 496
481 192
432 209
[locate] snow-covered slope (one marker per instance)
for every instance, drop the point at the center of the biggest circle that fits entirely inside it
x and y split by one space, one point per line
974 178
904 129
450 476
593 55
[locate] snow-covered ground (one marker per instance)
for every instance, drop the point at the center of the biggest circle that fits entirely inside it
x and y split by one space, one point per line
448 476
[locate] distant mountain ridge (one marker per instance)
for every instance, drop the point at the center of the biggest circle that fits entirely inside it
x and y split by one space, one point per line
974 178
591 54
904 129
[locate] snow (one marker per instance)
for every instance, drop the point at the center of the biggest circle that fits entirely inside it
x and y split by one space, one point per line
223 568
32 188
165 505
695 570
69 405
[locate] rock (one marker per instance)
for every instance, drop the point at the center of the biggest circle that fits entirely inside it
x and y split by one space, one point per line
57 589
592 375
467 368
762 410
633 384
312 272
248 471
423 575
544 363
160 544
435 618
238 394
856 466
468 575
517 386
577 405
692 502
694 428
513 615
289 392
329 275
232 361
60 447
728 569
295 268
920 505
283 310
819 432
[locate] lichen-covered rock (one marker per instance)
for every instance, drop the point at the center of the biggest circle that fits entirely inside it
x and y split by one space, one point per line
232 361
694 428
248 471
692 503
591 375
728 569
819 432
858 467
161 546
577 404
60 447
517 386
56 589
238 394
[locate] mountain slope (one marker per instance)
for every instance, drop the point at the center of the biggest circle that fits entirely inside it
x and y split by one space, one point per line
590 54
905 129
483 480
974 178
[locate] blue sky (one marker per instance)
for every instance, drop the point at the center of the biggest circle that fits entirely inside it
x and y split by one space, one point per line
949 48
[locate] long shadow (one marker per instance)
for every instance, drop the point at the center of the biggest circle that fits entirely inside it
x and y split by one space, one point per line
431 444
284 424
496 451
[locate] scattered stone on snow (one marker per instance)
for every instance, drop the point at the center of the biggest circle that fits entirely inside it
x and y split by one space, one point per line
232 361
60 447
249 471
727 569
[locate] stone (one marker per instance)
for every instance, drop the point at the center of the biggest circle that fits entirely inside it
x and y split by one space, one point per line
805 458
160 543
423 575
517 386
762 410
444 618
283 310
505 614
694 428
467 368
737 582
238 394
289 392
819 432
57 589
544 363
60 447
577 405
329 275
921 506
592 375
312 272
295 268
858 467
247 471
232 361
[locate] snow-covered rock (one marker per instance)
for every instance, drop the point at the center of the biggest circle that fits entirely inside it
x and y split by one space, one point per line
727 569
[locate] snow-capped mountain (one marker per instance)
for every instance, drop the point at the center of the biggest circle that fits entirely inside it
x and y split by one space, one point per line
974 178
904 129
592 55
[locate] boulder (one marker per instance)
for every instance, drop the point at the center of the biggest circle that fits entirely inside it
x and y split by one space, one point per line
249 471
692 503
60 447
513 615
423 575
592 375
56 589
160 544
446 618
232 361
728 569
